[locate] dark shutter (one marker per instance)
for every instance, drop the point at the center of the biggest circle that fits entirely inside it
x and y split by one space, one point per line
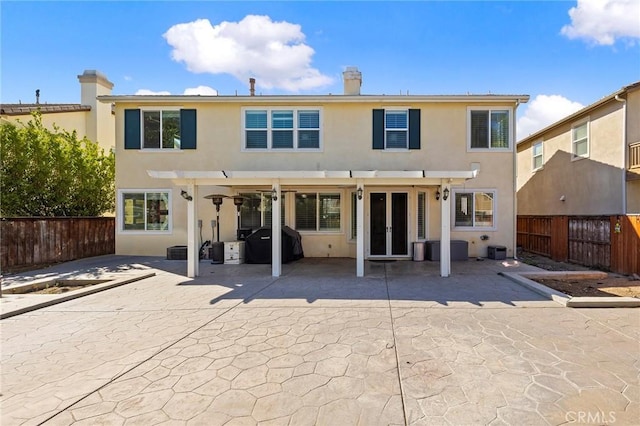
131 129
188 126
378 129
414 129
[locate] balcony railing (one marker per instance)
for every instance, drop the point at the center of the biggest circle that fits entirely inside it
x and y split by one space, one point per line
634 156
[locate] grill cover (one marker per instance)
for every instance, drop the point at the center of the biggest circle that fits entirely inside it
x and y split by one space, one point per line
257 247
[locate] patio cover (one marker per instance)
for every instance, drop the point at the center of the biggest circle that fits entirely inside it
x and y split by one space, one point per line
276 179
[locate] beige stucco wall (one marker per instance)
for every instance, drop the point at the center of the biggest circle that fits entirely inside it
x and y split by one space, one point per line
633 112
590 186
347 139
64 120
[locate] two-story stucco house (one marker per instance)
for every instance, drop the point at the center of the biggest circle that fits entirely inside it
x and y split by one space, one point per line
89 118
360 176
585 164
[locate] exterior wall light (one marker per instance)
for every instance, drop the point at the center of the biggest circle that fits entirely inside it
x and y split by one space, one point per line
437 194
185 195
359 192
274 194
445 194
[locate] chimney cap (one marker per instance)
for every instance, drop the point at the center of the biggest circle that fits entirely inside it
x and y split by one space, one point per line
95 76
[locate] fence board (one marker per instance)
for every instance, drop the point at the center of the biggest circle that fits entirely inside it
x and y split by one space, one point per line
31 242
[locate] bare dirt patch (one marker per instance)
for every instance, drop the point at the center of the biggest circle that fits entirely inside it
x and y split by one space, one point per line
612 285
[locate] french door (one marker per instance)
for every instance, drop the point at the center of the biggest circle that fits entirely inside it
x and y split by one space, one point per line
388 224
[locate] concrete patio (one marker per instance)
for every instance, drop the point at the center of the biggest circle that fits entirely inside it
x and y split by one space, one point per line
316 346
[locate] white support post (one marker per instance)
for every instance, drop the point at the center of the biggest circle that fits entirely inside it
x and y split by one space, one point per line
276 231
193 251
445 232
359 228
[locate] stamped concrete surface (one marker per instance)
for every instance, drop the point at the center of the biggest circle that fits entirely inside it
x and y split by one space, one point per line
317 346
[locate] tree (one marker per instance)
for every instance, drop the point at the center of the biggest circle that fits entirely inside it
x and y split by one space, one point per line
53 173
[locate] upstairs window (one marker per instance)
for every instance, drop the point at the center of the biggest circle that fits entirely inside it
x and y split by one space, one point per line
396 129
580 141
160 129
282 129
489 129
538 159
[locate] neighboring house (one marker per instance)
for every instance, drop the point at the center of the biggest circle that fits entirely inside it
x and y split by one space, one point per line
90 118
585 164
360 176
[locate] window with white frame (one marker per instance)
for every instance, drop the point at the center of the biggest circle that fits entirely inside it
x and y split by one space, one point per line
145 210
580 140
319 212
422 215
161 129
538 159
475 209
256 210
396 129
282 129
489 129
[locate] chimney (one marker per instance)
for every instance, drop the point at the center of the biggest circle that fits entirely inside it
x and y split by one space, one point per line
252 86
37 96
352 81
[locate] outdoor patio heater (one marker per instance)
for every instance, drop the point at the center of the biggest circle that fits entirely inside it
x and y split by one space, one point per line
238 200
216 252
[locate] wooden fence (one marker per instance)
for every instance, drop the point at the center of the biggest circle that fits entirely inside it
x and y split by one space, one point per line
30 242
602 242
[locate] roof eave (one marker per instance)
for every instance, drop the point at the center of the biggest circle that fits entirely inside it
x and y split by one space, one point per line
280 99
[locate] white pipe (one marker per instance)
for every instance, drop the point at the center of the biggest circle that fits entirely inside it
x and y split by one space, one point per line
625 149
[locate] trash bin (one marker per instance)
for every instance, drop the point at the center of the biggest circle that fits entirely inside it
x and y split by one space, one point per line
418 251
216 253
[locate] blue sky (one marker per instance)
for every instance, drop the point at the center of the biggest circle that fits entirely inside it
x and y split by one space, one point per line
565 54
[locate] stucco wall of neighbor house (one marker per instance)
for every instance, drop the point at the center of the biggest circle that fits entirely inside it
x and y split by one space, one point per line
346 145
64 120
588 186
633 112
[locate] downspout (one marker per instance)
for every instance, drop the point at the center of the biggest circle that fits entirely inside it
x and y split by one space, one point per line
515 184
624 152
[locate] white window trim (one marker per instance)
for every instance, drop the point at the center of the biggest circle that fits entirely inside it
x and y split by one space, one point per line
474 228
119 218
269 129
152 109
574 156
317 231
533 156
490 109
403 109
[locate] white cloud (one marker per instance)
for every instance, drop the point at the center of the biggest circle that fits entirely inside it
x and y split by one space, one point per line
201 90
604 21
128 78
543 111
272 52
146 92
